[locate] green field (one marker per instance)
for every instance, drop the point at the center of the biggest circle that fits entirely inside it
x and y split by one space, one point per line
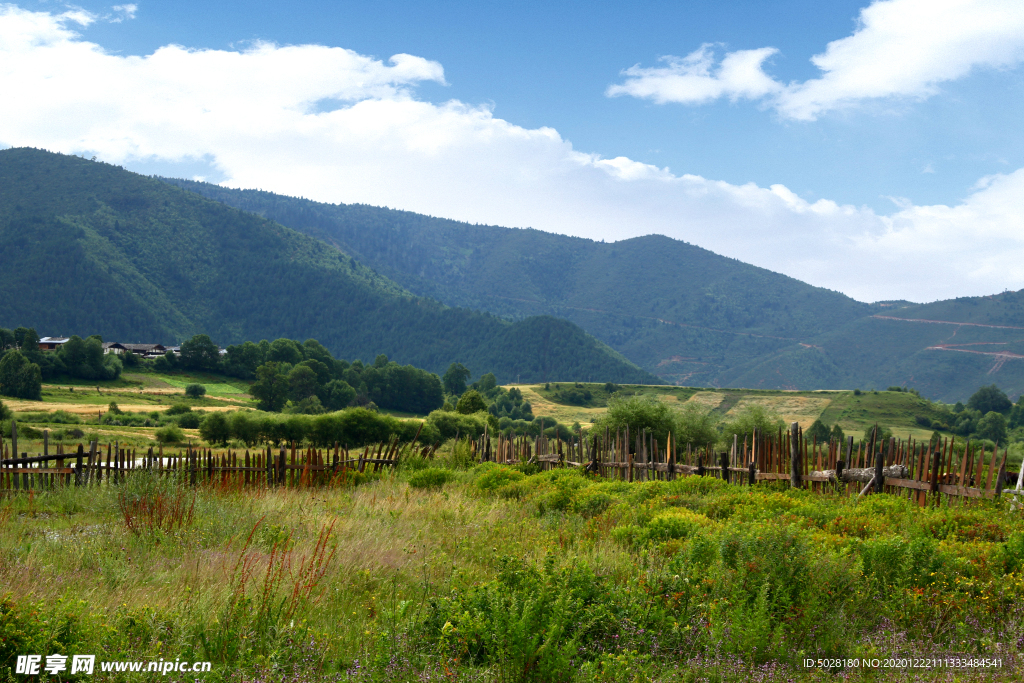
491 573
854 413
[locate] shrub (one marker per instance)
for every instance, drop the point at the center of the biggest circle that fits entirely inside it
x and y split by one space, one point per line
496 477
430 478
189 421
195 391
214 429
471 402
113 409
170 434
179 408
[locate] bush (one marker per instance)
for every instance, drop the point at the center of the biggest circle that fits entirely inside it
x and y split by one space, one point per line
189 421
496 477
195 391
179 408
214 429
447 424
170 434
430 478
471 402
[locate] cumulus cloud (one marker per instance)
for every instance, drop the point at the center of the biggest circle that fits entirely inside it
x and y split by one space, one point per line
901 48
696 79
258 118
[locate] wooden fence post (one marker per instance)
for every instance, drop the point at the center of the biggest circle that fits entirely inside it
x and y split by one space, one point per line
724 464
795 479
879 474
752 473
78 466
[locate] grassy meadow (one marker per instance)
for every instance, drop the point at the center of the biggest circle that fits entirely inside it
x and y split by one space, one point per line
456 571
854 412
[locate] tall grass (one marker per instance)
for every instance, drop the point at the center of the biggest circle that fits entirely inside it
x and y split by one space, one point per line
496 573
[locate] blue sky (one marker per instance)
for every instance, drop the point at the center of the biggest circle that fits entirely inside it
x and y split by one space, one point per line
898 149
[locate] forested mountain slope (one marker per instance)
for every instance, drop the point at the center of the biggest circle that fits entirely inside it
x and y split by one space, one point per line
681 312
678 310
88 248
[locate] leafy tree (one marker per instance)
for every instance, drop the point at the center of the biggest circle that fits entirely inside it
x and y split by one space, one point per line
284 351
1017 414
166 363
638 412
5 412
487 385
195 391
819 431
993 427
837 433
84 358
6 339
270 388
966 422
471 402
200 353
302 383
696 425
241 360
455 378
314 350
882 434
753 417
189 421
245 427
987 399
20 378
323 372
338 394
215 429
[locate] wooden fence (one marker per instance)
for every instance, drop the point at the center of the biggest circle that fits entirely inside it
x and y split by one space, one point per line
292 466
923 472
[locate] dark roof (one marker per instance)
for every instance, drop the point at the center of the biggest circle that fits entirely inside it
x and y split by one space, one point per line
144 348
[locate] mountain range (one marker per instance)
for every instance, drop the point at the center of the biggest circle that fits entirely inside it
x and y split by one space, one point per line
90 248
681 312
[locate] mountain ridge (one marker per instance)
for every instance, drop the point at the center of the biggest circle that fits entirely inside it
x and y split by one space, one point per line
680 311
92 248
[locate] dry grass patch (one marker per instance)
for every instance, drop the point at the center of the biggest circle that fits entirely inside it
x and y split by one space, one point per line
802 409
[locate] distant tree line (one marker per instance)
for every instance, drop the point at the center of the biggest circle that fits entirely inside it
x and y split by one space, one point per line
24 366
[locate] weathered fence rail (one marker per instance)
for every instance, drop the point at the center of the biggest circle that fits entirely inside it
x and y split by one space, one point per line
292 466
924 472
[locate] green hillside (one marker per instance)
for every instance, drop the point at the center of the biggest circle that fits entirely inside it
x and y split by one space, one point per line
682 312
90 248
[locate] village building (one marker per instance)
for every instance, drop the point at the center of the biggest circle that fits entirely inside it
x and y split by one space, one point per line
52 343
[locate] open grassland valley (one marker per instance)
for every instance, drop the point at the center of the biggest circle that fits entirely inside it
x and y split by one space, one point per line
443 568
291 526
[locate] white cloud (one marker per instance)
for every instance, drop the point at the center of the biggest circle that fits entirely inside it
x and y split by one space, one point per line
901 48
694 80
257 116
122 12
